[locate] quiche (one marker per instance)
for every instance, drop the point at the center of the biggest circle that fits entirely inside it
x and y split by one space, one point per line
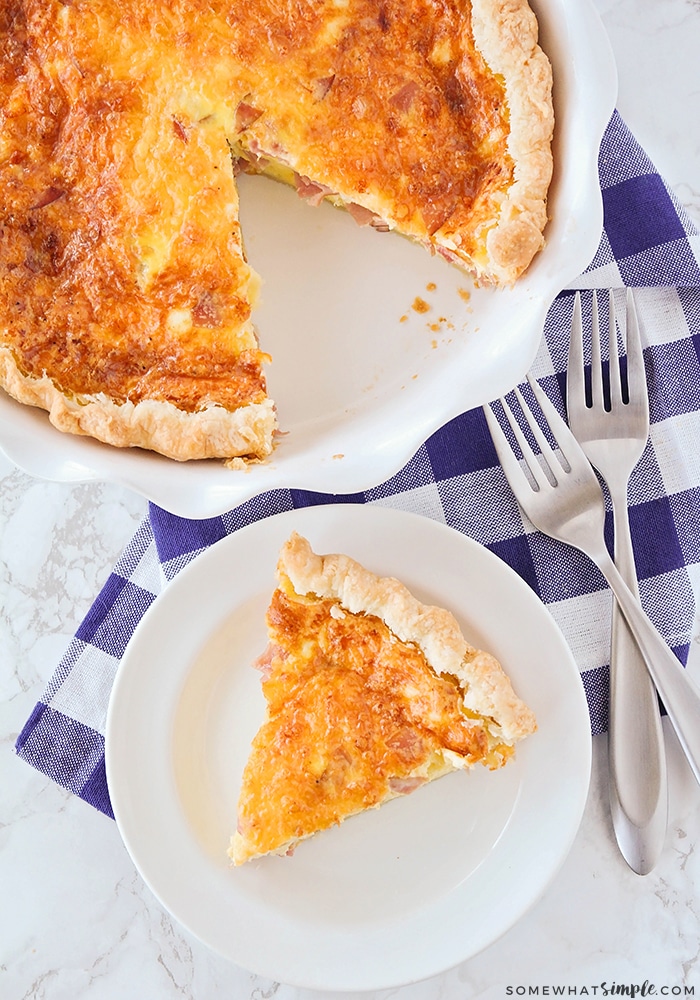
125 293
369 694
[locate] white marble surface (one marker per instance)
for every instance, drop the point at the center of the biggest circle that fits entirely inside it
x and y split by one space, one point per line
76 920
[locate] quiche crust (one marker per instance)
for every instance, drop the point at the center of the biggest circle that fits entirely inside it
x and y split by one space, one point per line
487 688
369 695
506 32
157 425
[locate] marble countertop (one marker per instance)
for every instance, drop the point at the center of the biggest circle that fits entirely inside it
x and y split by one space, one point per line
77 922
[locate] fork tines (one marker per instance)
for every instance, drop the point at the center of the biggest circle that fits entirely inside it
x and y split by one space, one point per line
600 391
546 461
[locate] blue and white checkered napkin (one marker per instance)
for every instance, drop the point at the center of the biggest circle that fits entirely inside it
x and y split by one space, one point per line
648 244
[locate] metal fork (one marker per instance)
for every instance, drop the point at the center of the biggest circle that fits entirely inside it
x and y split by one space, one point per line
563 498
613 440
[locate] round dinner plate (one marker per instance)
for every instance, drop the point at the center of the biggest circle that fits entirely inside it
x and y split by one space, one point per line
375 343
391 896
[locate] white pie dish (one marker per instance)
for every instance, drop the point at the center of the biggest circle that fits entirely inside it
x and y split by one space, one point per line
394 895
360 377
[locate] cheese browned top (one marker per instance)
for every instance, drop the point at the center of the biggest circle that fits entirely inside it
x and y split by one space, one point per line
356 714
125 295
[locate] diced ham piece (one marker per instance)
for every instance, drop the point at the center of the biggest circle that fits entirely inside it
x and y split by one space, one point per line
310 191
406 741
180 130
449 255
273 151
246 115
50 195
403 98
365 217
322 86
404 786
380 225
444 252
264 661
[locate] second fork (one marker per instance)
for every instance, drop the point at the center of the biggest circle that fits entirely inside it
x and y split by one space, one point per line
563 498
613 437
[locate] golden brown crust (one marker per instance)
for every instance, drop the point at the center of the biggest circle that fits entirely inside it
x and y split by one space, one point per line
122 272
213 432
506 32
488 690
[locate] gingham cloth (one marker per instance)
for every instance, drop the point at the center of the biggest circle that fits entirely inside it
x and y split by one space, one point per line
648 244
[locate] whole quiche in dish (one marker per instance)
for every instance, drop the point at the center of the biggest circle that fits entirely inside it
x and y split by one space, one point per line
126 298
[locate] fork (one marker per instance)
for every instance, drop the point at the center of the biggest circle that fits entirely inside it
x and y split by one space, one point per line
613 440
563 498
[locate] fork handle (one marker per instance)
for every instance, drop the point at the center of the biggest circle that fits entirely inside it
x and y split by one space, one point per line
678 691
638 787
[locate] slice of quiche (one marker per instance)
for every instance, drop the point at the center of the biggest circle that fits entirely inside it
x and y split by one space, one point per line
369 695
125 294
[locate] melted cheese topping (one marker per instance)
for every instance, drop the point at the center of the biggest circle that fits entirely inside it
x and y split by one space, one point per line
122 271
354 717
390 107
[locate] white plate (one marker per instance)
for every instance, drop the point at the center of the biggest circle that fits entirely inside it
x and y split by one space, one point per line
358 387
394 895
